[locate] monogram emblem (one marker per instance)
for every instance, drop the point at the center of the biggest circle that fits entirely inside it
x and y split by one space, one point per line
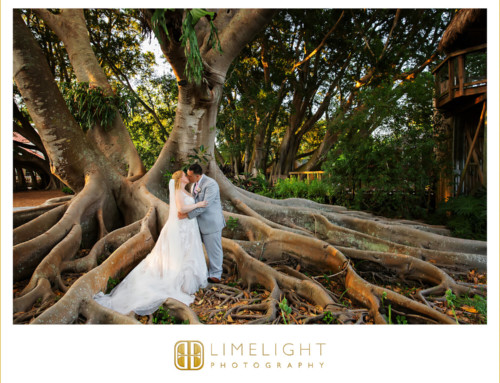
189 355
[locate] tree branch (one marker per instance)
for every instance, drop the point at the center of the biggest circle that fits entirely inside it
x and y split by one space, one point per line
320 46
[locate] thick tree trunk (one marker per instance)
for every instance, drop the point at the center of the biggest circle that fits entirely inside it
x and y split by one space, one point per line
319 155
58 130
114 142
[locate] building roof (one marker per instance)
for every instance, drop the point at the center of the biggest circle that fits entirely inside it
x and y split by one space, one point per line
466 29
21 139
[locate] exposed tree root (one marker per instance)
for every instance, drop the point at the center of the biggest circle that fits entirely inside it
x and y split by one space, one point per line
57 200
409 268
28 255
42 291
101 250
367 294
39 225
315 256
68 309
368 234
27 215
340 236
97 314
180 311
49 268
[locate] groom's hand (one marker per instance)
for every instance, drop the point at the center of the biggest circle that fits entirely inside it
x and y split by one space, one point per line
182 215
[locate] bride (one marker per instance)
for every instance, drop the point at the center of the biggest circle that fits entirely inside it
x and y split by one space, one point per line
176 266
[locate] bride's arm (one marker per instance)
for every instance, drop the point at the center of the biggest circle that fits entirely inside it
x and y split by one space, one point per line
182 207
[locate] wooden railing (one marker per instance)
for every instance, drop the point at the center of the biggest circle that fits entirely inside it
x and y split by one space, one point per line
309 175
462 73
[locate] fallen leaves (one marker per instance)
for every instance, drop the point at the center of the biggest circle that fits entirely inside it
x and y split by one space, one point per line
469 309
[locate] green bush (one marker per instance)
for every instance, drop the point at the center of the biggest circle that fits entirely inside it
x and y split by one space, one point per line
386 175
67 190
252 184
465 216
315 190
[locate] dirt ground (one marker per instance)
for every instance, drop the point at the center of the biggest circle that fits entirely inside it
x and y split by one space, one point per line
35 197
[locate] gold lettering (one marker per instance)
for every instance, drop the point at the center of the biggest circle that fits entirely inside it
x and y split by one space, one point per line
304 349
212 350
263 353
321 364
320 348
240 347
291 352
251 349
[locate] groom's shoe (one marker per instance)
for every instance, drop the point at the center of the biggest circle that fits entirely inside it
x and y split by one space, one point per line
213 280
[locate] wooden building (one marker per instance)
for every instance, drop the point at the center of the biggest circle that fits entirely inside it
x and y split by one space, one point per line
460 100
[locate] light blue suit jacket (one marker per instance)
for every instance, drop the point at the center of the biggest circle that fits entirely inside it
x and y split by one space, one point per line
210 219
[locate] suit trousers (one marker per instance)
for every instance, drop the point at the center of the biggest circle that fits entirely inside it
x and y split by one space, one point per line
213 246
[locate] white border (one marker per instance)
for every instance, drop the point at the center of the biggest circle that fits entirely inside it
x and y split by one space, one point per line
368 353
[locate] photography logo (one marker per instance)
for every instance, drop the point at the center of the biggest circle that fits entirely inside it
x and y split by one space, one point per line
189 355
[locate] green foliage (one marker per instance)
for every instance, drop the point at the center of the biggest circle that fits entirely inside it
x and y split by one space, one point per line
53 48
232 223
67 190
450 301
90 105
388 172
382 298
401 319
263 74
147 135
328 317
167 176
112 282
344 303
285 310
477 301
252 184
200 155
315 190
389 308
194 62
465 216
158 20
162 316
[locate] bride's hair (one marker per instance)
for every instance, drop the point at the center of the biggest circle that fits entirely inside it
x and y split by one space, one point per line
177 178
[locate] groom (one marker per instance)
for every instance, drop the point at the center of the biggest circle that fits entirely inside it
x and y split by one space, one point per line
210 219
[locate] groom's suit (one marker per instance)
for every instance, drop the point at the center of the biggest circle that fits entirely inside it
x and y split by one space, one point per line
211 222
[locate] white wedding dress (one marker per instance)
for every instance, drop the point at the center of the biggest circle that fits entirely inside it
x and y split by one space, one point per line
175 268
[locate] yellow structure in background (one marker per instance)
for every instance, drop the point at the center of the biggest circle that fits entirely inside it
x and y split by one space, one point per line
309 175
